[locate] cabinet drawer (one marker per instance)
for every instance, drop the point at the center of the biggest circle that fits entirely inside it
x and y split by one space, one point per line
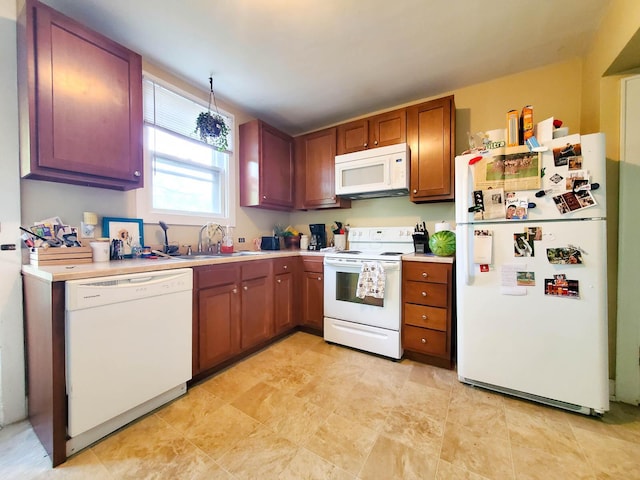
313 264
423 316
426 272
424 340
254 269
215 275
283 265
423 293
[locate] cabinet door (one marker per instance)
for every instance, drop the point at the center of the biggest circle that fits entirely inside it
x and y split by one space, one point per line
388 129
353 136
256 322
84 104
430 134
266 167
315 171
284 300
313 299
219 335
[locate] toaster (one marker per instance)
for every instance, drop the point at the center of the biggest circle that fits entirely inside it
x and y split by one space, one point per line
270 243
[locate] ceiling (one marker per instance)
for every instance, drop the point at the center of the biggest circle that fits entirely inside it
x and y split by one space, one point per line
301 65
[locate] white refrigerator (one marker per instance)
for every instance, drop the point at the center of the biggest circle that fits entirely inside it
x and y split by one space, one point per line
531 272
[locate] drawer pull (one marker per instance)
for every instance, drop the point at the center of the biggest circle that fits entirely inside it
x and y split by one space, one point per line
424 294
279 281
245 288
285 267
319 278
425 274
424 317
424 340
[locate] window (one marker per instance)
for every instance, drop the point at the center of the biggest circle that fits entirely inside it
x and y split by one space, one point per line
187 181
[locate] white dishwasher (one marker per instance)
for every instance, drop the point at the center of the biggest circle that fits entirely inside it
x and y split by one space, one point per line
128 349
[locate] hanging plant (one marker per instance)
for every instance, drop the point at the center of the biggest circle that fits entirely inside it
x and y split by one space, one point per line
212 128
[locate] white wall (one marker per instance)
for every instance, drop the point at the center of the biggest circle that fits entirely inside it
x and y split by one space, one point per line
12 384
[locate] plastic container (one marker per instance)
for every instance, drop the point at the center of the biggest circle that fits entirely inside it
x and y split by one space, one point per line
101 251
227 240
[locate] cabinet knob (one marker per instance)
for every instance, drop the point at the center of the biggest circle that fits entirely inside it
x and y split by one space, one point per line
245 288
319 278
425 274
415 191
424 340
365 144
376 142
279 281
424 317
285 267
264 197
137 173
235 290
424 294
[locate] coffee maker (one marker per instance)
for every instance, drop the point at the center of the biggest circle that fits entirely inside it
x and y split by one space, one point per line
318 238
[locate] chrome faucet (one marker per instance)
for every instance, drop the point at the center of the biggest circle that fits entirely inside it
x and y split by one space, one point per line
206 225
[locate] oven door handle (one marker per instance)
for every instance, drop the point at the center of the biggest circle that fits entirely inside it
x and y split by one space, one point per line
388 266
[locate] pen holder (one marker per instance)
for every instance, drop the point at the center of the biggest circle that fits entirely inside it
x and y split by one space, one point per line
421 242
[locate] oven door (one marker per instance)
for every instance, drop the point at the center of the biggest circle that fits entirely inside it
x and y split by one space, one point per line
340 300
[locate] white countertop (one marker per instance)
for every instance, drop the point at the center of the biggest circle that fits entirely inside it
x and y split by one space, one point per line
427 257
61 273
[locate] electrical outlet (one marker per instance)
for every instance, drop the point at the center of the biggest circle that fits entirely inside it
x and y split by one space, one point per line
241 240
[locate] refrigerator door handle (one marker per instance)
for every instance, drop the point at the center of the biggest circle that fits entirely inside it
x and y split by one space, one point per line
463 235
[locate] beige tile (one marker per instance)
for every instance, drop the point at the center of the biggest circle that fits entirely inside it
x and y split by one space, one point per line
150 448
262 454
191 409
343 442
307 465
622 422
447 471
478 452
217 434
542 433
414 429
288 377
485 418
431 376
291 417
432 401
390 459
610 458
368 404
231 383
536 464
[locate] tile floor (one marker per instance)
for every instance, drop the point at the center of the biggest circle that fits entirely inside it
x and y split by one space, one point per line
303 409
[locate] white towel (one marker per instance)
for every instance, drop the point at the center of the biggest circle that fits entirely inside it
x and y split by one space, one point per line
371 280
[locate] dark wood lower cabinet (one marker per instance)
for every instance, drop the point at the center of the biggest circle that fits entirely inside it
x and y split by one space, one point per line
256 297
313 295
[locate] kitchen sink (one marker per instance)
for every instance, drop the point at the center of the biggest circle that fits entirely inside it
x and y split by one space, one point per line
205 255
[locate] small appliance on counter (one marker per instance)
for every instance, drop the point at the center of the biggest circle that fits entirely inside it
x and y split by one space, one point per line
318 239
270 243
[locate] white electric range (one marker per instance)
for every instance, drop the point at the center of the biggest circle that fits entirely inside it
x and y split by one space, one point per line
370 324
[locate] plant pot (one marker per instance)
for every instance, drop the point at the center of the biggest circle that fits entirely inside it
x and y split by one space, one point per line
292 242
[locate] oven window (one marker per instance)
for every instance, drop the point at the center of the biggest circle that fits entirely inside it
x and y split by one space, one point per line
346 286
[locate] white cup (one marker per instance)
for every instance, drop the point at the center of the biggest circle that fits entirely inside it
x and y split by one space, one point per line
100 251
340 241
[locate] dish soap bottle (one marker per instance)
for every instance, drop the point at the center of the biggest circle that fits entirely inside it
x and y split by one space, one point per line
227 240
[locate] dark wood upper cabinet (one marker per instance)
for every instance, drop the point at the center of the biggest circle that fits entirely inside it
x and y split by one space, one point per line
315 171
431 137
80 98
266 167
377 131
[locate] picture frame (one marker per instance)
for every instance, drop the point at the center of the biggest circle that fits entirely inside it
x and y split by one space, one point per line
129 230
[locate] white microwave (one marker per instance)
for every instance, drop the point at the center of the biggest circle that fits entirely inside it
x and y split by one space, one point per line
377 172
